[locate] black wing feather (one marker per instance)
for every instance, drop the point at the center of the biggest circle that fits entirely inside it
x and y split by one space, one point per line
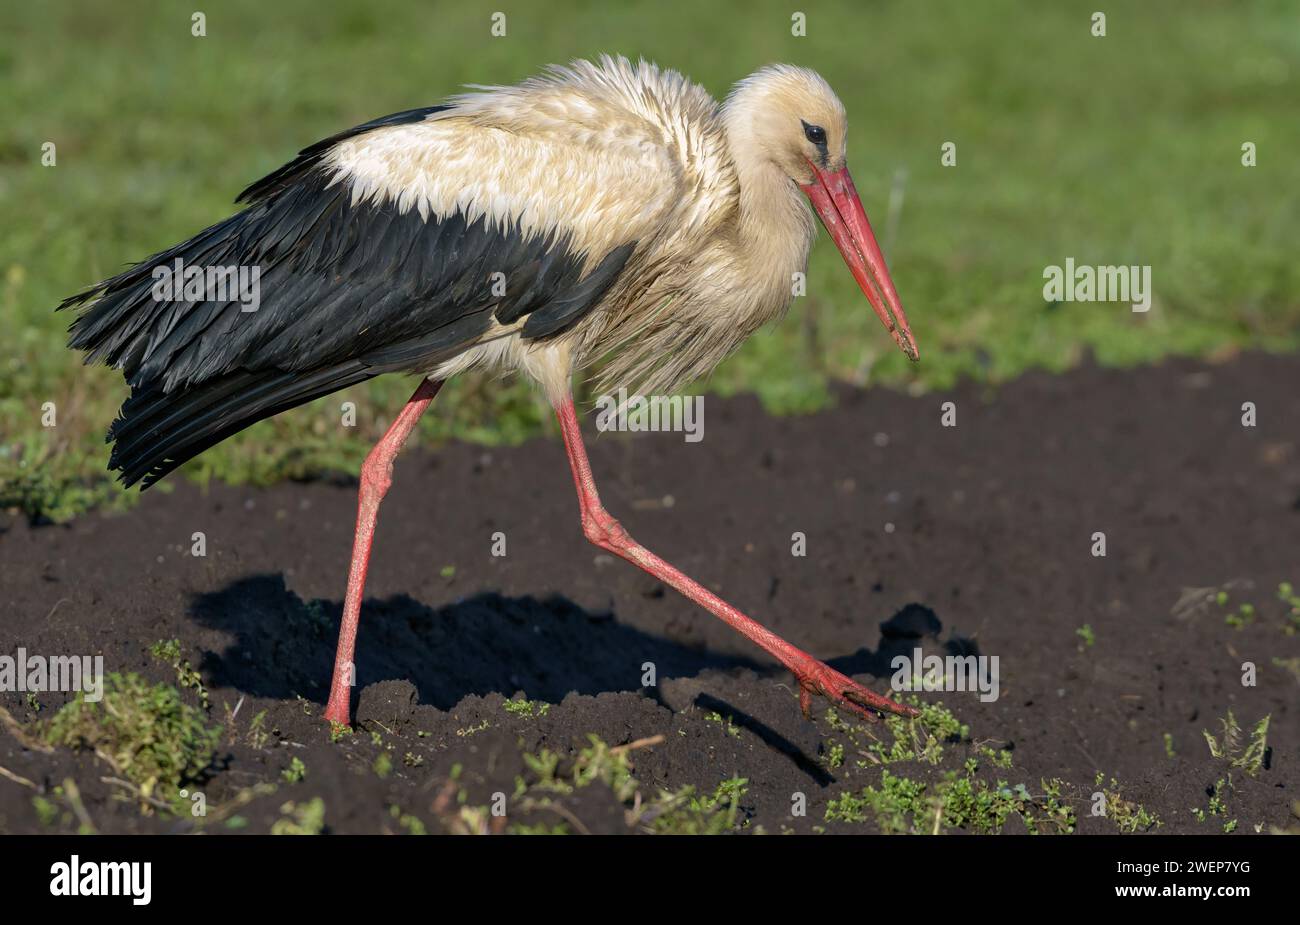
348 291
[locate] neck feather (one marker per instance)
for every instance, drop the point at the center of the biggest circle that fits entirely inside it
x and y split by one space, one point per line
775 224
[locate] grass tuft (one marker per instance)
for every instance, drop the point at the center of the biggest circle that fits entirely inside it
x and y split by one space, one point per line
145 732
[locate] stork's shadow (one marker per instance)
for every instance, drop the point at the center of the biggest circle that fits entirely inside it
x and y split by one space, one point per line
284 646
486 643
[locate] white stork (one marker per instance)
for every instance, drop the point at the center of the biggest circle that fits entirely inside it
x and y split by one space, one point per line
603 210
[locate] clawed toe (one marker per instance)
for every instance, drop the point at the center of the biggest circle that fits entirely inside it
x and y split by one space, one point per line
837 688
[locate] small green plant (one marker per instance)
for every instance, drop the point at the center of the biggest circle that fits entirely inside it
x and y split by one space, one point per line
145 732
1286 594
1242 617
891 805
1217 805
1229 746
1133 817
1056 809
168 651
544 765
1086 633
300 818
1245 613
296 770
539 828
411 823
46 811
599 762
257 734
959 799
527 707
901 805
999 759
549 777
1169 745
1129 817
64 807
383 765
725 722
920 738
685 813
1290 665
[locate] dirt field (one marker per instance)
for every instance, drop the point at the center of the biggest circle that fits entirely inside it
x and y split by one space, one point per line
987 526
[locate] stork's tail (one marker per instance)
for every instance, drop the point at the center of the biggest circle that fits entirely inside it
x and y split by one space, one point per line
157 431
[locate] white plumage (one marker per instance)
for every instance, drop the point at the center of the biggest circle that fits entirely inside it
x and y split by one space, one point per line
608 154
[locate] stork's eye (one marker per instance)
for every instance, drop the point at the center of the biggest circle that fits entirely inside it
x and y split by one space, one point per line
814 133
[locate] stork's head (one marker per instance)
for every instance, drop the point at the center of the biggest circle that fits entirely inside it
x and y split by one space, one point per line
791 121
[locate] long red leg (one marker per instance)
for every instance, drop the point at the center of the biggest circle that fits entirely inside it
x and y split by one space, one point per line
601 528
376 477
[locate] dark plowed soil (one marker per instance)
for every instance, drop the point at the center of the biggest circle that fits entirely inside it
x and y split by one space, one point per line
989 525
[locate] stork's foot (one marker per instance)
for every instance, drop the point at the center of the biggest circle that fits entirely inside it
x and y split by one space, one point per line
823 680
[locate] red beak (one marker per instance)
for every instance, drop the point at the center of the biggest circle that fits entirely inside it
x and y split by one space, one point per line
837 202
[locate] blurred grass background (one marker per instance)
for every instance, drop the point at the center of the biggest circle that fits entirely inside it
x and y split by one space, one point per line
1117 150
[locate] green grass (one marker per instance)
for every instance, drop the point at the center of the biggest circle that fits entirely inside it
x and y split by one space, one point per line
1115 150
301 818
145 732
550 776
1249 756
957 782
